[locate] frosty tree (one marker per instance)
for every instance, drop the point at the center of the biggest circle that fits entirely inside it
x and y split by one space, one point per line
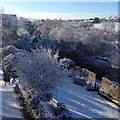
38 70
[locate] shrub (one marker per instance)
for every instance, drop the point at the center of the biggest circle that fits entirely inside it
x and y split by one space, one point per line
8 50
67 64
38 70
96 20
7 65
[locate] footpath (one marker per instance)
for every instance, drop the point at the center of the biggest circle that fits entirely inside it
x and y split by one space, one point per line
9 104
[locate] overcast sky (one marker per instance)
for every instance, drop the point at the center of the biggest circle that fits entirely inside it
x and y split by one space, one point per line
63 10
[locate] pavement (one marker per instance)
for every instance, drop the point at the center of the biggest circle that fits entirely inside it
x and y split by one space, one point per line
9 104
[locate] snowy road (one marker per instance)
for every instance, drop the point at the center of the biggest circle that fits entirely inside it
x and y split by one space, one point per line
9 106
85 104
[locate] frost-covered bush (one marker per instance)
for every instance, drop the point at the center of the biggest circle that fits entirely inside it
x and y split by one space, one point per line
48 42
71 33
23 44
38 70
26 37
65 33
8 50
47 25
22 32
9 27
81 35
21 27
8 59
54 52
92 41
37 33
80 81
67 63
7 65
96 20
82 24
108 26
62 112
25 27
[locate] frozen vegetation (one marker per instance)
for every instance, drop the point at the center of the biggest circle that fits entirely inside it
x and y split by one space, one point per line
44 59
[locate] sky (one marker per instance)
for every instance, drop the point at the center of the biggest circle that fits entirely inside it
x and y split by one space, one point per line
60 10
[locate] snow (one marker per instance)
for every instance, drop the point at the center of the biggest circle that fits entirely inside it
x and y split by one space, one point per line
85 104
9 105
80 102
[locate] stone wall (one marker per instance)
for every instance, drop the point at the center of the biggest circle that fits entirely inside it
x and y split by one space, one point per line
77 72
90 76
110 88
105 86
9 27
115 91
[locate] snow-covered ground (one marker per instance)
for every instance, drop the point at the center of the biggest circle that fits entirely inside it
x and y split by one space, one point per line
85 104
9 105
80 102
